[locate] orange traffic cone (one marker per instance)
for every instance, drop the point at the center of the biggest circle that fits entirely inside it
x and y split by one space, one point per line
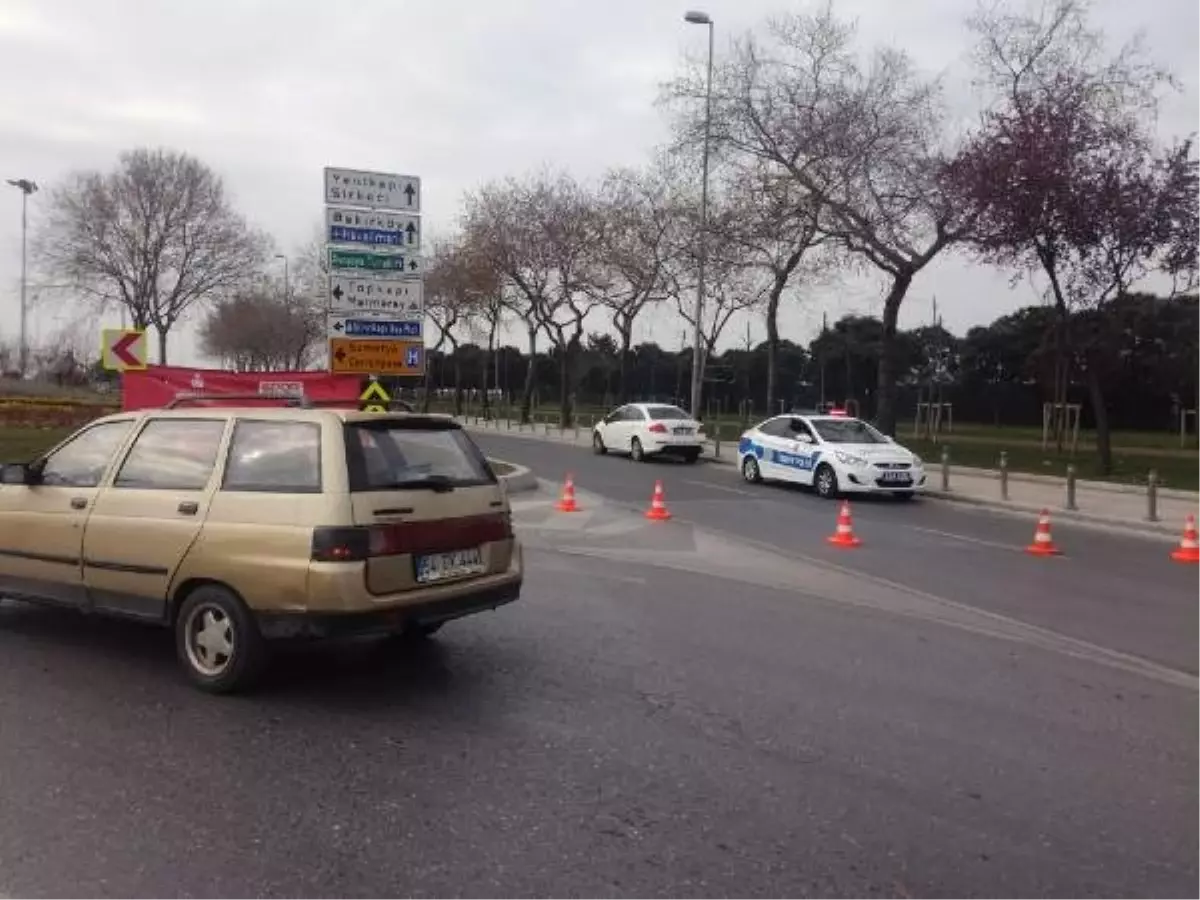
844 536
658 505
567 503
1043 543
1188 550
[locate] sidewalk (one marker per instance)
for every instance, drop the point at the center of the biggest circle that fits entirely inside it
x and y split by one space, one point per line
1099 503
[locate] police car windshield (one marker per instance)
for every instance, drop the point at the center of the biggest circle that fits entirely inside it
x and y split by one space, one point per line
666 413
847 431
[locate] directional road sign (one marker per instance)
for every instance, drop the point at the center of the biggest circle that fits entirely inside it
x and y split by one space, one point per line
374 329
382 296
375 190
350 356
123 349
382 229
395 265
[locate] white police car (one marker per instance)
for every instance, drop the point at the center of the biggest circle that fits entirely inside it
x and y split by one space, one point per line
834 453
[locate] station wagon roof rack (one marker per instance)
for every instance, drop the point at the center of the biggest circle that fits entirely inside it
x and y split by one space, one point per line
181 399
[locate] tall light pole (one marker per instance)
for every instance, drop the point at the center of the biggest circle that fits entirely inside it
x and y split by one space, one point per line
26 187
287 282
694 17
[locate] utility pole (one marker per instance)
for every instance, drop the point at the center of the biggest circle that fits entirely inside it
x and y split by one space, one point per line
26 187
694 17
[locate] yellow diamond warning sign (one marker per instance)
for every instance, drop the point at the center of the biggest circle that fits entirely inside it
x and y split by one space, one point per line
350 357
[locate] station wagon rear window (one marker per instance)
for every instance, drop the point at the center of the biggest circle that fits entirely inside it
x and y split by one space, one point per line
391 455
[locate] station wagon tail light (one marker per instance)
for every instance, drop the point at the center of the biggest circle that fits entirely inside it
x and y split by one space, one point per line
341 544
658 428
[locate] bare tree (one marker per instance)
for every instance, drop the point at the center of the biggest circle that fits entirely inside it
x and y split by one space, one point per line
733 283
777 226
1066 176
157 236
263 329
536 235
637 222
458 280
862 141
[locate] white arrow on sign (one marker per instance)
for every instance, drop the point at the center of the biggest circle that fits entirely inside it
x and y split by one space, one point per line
397 299
376 190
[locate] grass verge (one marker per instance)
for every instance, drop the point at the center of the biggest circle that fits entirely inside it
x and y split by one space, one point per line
1129 466
24 444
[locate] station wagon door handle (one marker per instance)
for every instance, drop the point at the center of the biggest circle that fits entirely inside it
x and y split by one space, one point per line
189 507
79 503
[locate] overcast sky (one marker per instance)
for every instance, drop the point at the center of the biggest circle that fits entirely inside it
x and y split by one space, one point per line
268 92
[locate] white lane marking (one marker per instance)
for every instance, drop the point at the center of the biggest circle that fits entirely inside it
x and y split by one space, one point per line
719 487
966 538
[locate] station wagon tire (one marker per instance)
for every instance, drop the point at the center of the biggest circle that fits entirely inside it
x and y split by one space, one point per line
217 641
598 444
825 481
750 470
636 453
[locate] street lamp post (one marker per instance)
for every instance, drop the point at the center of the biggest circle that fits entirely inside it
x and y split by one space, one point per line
287 282
26 187
695 17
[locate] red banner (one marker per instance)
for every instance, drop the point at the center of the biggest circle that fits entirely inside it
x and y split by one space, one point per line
159 385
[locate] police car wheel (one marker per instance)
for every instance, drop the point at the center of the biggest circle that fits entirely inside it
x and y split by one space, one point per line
750 470
826 482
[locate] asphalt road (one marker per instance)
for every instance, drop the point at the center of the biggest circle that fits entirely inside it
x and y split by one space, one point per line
1119 591
621 731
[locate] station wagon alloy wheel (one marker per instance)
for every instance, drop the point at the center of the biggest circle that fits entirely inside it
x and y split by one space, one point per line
210 640
218 640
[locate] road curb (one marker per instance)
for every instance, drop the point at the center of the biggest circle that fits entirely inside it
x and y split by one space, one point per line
520 480
1104 523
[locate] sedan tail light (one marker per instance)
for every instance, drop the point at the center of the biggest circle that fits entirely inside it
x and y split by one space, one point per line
658 428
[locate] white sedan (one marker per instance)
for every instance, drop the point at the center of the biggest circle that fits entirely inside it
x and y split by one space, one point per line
649 429
836 454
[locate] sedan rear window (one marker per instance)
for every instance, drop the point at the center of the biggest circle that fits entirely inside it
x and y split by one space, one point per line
666 413
398 456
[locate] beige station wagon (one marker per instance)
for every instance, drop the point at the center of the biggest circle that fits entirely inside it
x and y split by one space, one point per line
237 526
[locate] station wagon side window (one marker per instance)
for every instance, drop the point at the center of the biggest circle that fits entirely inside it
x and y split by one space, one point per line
274 457
172 455
82 461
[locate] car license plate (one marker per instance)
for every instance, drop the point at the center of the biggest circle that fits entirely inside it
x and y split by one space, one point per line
683 431
443 566
895 477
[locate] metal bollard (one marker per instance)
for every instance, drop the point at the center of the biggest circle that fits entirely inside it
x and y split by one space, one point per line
1071 488
945 467
577 429
1152 496
717 440
1003 474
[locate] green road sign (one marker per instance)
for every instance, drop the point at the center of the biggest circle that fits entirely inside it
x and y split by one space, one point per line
375 262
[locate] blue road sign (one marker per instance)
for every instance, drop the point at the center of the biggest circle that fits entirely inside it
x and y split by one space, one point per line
340 234
412 357
374 328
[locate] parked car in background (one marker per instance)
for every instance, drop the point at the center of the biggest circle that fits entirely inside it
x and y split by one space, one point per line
238 526
643 430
